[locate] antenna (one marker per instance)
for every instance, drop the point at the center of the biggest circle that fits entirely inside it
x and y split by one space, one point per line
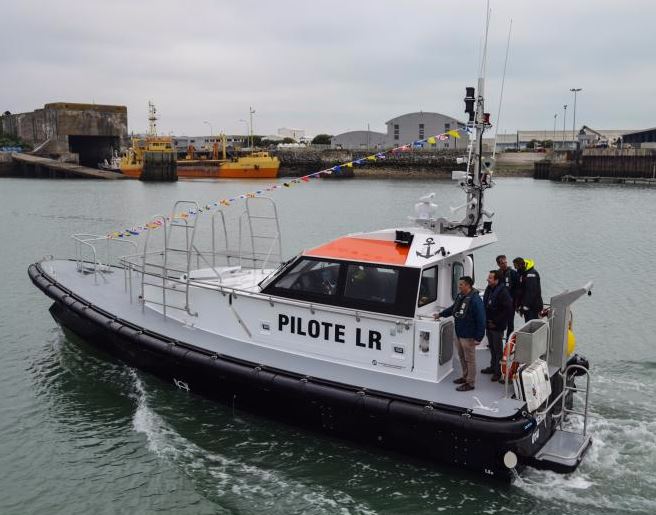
481 76
503 82
152 119
477 179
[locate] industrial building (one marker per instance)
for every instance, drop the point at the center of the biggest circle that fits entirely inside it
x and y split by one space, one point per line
406 129
413 126
206 143
586 137
91 131
645 138
355 140
295 134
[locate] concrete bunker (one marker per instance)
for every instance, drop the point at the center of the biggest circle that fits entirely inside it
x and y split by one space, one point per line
93 149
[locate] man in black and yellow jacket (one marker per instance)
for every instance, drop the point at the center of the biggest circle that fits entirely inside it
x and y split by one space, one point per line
529 295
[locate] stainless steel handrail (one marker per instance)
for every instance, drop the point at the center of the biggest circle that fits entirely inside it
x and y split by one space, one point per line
166 264
87 240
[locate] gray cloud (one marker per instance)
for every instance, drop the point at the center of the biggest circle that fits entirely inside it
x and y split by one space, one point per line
329 66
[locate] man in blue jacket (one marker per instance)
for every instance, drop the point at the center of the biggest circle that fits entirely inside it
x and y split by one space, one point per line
510 278
499 309
469 314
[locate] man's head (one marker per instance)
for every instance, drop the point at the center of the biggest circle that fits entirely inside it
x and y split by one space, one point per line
493 278
519 264
502 262
465 284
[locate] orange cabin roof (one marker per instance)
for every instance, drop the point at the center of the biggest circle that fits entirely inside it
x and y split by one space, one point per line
361 249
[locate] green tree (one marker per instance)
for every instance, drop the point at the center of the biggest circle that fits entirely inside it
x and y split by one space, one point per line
13 141
321 139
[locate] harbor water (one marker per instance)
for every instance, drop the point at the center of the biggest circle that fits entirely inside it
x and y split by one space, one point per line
81 432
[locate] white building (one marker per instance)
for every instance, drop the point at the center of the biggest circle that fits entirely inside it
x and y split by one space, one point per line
295 134
354 140
405 129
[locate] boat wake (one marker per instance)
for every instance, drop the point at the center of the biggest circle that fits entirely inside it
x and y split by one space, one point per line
230 482
617 474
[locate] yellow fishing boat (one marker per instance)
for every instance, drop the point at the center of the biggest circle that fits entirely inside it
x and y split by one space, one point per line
132 162
256 165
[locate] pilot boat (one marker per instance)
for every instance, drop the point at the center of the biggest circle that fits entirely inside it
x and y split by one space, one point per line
341 338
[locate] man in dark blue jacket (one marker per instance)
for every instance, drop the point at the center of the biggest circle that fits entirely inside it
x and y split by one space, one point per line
499 310
469 314
510 278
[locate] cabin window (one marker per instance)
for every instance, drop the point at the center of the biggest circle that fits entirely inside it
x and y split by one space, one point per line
370 283
428 287
313 277
361 286
470 259
457 271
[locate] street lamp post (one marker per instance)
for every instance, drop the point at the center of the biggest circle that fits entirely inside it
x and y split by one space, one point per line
553 143
211 131
564 120
247 130
251 112
575 91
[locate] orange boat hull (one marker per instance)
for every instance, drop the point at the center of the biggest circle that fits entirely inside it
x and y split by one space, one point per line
213 171
132 171
216 172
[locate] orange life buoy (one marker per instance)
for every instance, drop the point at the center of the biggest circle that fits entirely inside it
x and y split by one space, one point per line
509 349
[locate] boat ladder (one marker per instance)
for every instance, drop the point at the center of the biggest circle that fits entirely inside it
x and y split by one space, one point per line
565 449
169 269
261 217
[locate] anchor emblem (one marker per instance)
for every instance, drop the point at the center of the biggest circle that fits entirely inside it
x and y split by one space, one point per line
428 244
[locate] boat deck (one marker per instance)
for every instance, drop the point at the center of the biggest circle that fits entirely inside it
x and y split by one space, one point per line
109 294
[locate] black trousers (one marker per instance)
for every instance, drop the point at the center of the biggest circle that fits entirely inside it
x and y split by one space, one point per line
531 314
494 340
511 325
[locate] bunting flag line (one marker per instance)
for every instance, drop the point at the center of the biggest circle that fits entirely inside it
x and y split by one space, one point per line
333 170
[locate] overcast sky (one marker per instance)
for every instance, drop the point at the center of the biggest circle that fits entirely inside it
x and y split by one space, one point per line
330 66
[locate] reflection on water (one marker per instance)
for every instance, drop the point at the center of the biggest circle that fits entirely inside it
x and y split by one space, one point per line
82 432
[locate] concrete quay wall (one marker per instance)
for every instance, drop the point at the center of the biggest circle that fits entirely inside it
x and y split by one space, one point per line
294 162
606 163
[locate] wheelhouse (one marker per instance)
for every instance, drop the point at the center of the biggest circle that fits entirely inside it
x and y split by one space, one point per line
370 272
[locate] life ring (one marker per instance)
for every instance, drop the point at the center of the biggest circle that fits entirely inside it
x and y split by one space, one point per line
508 350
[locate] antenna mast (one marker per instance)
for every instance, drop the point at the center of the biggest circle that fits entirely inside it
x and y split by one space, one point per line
152 119
477 178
